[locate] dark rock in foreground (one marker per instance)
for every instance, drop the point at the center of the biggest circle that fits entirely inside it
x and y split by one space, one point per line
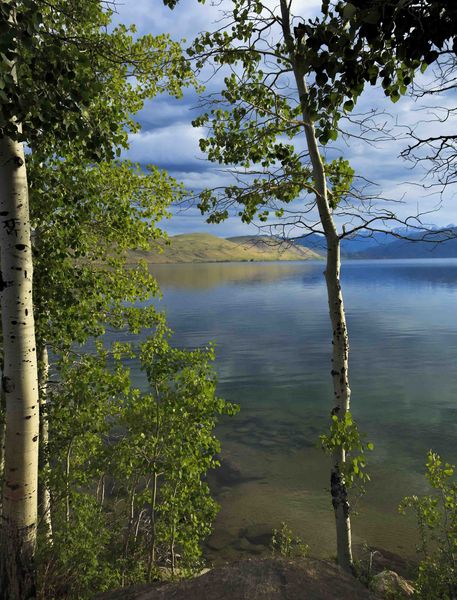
256 579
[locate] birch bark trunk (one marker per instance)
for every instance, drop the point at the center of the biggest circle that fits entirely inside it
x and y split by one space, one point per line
340 338
44 498
19 378
2 445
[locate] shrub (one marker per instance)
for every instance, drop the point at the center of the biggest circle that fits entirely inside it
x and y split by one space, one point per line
437 520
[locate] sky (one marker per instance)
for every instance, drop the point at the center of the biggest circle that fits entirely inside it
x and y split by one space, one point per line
168 140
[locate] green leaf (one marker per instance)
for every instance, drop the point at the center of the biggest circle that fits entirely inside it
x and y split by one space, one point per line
349 11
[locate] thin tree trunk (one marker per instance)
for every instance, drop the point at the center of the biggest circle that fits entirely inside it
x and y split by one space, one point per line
44 498
128 532
2 445
67 481
101 490
340 339
152 548
19 379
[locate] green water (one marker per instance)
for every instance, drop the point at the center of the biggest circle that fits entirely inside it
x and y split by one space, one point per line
270 326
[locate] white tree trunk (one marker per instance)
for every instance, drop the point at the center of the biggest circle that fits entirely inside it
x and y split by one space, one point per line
2 445
340 339
44 498
20 378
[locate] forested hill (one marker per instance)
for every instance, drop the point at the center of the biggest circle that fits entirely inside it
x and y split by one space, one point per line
203 247
383 245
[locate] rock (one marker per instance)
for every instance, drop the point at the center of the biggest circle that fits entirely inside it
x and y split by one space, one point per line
245 545
220 539
258 534
390 586
257 579
228 475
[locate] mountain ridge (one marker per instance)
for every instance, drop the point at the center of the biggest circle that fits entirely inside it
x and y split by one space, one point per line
429 243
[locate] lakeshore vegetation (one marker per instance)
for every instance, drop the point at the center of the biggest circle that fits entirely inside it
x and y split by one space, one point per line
104 484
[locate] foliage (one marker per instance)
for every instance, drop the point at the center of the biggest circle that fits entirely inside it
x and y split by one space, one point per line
254 123
436 516
85 219
388 43
79 80
286 545
127 467
71 83
344 433
357 42
340 175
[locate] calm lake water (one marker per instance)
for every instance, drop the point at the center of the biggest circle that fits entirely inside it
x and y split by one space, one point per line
270 324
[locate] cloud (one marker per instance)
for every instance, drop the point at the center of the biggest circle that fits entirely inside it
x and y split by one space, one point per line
169 140
187 20
174 146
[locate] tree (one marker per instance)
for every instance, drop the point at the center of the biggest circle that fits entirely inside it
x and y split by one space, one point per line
267 101
123 468
127 467
60 65
390 42
85 218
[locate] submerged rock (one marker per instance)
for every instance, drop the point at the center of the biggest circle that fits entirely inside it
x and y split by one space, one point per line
259 534
244 545
220 539
257 579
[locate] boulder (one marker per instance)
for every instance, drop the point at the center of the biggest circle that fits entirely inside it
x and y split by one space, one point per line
390 586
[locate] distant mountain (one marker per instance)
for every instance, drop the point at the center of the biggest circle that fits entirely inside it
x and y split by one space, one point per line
425 244
203 247
356 244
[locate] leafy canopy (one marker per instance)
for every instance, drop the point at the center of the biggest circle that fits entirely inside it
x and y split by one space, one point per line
68 77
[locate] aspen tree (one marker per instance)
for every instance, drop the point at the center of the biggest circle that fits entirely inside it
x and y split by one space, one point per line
270 98
56 96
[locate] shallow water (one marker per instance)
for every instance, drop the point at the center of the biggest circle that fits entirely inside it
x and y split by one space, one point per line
270 326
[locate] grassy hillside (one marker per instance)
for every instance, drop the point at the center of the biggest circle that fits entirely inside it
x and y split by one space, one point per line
203 247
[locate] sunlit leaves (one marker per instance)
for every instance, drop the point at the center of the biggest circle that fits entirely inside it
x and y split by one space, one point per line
79 81
258 112
86 217
148 451
344 434
436 516
340 175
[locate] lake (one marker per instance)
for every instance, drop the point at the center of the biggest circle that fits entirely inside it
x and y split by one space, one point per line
271 329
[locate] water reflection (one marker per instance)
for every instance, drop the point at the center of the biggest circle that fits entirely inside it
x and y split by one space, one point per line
203 276
406 273
270 325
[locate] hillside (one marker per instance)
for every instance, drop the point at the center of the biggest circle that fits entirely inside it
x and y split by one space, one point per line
204 247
